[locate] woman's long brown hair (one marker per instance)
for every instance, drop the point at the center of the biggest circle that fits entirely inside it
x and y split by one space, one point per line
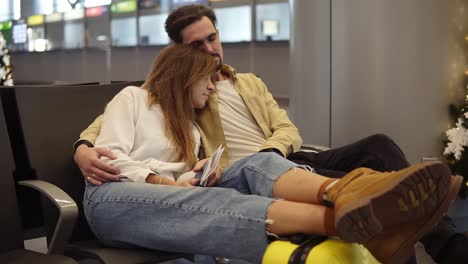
169 83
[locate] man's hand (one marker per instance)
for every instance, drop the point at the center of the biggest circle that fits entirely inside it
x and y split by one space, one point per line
214 178
93 169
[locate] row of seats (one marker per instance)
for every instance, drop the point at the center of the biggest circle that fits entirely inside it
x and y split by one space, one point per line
38 126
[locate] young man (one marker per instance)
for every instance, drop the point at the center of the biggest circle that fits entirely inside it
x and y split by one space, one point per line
243 116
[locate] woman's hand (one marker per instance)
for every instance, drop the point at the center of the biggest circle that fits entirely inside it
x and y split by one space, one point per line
188 183
200 165
158 179
214 178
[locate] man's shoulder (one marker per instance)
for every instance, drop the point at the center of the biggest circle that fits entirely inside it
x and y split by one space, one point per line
247 75
242 79
248 79
228 70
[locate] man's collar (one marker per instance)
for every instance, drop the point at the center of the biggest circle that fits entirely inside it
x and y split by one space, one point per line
229 71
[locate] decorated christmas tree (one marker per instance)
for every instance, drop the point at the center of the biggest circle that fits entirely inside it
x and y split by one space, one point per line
6 78
456 149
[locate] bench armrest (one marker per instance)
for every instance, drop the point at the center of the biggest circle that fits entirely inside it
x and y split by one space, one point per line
68 213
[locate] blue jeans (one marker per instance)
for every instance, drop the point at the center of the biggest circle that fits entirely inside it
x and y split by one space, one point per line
227 220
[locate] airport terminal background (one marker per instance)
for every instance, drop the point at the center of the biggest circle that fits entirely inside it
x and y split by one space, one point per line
344 69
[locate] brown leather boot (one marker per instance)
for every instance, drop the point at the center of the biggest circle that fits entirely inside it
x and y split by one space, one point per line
367 203
397 245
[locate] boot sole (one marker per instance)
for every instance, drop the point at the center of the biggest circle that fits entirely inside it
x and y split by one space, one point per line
406 249
413 196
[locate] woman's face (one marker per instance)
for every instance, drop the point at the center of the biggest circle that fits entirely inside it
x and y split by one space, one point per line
200 92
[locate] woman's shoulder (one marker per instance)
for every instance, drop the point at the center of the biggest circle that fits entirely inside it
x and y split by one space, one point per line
135 90
133 93
138 97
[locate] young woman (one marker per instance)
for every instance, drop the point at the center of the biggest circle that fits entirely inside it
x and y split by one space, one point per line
151 131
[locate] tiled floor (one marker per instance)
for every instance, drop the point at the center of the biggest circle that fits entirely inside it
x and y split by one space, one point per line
36 244
421 255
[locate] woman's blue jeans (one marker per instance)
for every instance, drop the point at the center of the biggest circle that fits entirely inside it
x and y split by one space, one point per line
228 220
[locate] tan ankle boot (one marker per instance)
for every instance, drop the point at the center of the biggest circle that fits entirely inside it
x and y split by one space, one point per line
397 245
367 202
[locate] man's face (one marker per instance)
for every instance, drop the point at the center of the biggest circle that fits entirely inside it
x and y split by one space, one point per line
202 34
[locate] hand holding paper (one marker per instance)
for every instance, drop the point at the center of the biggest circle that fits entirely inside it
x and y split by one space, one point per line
210 166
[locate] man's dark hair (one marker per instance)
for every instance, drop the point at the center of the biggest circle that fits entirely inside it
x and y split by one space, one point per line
184 16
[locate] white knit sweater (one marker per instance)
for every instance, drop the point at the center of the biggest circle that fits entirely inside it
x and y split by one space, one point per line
135 133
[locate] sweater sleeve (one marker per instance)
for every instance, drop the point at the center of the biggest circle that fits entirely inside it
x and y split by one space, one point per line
117 134
92 131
